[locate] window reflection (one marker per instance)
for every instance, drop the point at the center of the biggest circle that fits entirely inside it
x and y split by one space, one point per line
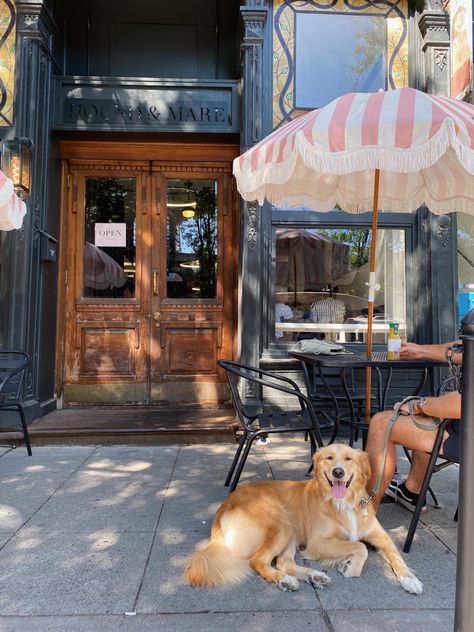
191 234
465 247
110 238
337 54
321 283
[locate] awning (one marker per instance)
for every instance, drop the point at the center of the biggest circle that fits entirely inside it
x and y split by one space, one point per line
12 208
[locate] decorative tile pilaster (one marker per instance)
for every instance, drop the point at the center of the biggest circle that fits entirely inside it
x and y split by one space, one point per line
435 67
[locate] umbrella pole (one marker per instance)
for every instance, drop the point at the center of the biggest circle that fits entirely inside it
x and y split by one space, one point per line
370 315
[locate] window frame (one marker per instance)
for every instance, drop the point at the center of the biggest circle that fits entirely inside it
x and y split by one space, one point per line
304 218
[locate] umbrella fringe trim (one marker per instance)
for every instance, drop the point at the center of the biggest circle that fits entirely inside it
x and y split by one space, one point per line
402 160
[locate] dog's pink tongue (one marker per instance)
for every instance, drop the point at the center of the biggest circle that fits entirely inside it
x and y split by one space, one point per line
339 489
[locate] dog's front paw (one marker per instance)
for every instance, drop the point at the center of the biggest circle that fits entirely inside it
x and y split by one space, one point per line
288 583
349 569
318 579
412 584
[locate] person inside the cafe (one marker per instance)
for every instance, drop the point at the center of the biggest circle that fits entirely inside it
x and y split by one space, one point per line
405 433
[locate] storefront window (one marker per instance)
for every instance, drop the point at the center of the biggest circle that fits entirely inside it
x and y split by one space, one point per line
465 264
110 238
345 52
321 281
191 236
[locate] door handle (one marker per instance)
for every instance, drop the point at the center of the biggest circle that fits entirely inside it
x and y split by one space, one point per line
155 283
157 319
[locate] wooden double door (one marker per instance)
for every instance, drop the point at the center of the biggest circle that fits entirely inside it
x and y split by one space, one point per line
148 270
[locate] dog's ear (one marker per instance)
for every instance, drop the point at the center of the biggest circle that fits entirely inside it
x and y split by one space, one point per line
316 461
365 465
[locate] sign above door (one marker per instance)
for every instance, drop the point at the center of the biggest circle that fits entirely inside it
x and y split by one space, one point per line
105 104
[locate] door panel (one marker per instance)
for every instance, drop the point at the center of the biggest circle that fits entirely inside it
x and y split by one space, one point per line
149 307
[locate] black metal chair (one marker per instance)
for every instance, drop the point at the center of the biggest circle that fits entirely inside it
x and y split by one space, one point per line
436 463
260 424
326 391
12 372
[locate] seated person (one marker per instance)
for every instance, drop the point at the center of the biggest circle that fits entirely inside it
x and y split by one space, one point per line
405 433
282 313
328 310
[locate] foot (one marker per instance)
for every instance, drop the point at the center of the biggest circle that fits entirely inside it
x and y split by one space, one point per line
318 579
288 583
412 584
399 492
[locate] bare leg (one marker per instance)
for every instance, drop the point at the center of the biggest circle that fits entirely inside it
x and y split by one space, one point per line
405 433
419 463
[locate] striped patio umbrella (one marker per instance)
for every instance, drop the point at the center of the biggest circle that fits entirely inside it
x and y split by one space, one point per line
12 209
392 150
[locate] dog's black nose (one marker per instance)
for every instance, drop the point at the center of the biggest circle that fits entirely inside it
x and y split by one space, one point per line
338 473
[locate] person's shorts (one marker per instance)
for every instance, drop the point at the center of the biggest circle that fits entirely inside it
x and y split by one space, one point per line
450 447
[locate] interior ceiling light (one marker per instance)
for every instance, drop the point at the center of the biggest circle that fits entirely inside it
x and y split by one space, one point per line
180 204
188 213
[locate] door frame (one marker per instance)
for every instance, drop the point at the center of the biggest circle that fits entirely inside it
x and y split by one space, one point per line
212 155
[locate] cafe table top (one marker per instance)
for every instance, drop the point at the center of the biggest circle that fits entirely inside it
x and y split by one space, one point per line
362 360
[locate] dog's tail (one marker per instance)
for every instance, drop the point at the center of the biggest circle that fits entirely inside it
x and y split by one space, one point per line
216 565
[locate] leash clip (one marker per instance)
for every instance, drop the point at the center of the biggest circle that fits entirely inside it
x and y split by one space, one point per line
365 501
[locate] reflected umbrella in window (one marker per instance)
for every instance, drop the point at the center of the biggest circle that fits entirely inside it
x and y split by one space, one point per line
308 260
100 270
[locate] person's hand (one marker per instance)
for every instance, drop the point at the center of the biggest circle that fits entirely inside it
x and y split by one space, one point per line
411 351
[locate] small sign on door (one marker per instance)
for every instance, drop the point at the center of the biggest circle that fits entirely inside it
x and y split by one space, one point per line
111 234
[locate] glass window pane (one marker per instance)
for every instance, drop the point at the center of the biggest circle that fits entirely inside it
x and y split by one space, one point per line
191 237
110 238
465 264
337 54
321 283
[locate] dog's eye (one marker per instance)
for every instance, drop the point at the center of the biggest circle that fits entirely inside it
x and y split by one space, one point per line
330 458
347 458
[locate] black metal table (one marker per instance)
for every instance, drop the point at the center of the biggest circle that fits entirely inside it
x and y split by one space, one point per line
377 360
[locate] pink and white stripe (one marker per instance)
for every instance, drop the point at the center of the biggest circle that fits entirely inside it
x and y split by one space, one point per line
12 209
423 145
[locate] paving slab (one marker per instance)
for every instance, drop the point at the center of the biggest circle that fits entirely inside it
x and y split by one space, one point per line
429 559
165 590
123 492
29 482
56 574
196 622
395 620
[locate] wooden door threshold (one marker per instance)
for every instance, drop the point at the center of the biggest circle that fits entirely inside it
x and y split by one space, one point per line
134 425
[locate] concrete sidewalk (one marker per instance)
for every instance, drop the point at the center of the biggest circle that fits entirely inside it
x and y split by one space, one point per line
95 539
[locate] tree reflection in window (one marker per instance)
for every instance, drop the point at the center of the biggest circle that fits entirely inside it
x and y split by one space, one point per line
191 239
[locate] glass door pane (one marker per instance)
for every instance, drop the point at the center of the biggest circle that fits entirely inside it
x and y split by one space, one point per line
110 238
191 239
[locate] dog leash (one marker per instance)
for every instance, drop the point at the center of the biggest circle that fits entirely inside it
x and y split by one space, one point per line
396 413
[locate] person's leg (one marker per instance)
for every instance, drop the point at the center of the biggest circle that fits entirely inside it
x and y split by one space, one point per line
419 463
405 433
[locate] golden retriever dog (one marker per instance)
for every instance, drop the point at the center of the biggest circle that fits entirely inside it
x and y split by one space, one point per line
260 526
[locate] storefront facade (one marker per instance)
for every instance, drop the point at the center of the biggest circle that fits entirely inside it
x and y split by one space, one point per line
138 267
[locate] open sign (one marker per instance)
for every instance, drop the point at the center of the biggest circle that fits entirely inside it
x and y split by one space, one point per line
111 234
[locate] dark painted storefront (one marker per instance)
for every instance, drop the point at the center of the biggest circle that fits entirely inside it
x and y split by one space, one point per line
165 95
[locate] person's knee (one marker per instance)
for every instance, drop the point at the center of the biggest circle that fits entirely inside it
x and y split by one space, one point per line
378 423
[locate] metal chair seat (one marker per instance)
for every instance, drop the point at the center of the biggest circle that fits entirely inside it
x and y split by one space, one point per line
260 424
436 463
13 366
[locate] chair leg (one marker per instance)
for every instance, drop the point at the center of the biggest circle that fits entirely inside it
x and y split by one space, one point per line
456 514
236 458
241 464
25 428
423 491
314 447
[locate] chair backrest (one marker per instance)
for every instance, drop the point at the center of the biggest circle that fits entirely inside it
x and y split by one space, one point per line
12 372
257 378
